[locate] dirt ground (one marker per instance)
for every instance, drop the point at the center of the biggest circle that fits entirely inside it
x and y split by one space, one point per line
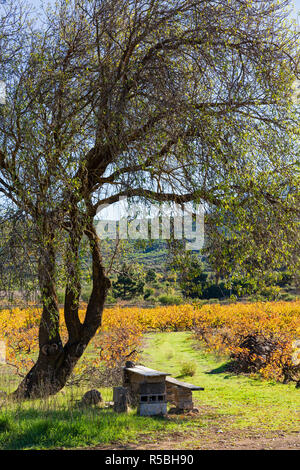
226 441
214 440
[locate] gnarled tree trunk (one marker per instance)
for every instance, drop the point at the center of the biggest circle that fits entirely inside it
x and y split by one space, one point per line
56 361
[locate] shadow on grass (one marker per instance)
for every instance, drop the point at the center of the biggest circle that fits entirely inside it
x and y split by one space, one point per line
182 377
226 367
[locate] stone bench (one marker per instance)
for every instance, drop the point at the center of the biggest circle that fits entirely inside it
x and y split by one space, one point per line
180 393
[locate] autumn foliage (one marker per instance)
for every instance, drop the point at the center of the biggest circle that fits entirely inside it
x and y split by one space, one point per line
259 337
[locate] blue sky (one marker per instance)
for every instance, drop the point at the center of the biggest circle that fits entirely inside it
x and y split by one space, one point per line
37 3
296 7
295 12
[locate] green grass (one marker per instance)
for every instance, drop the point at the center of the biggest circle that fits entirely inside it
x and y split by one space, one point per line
246 401
58 422
228 402
33 429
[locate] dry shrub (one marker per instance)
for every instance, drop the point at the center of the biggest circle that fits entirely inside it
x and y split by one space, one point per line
259 337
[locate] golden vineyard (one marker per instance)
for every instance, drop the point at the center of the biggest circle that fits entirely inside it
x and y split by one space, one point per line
260 337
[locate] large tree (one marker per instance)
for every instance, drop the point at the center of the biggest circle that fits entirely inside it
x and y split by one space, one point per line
185 100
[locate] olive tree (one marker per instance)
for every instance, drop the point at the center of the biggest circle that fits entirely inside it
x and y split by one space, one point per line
178 101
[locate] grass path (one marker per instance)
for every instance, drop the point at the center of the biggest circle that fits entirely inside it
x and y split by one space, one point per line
245 401
235 412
